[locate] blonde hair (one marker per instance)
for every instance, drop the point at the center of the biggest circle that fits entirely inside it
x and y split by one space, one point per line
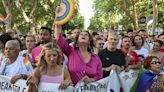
42 64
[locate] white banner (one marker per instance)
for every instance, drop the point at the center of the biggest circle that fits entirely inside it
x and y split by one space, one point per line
6 86
124 80
98 86
128 78
20 86
114 84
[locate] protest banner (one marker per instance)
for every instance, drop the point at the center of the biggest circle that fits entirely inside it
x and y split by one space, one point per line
114 83
98 86
20 86
128 78
6 86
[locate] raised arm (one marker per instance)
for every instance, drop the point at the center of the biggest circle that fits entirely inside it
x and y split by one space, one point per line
63 44
57 32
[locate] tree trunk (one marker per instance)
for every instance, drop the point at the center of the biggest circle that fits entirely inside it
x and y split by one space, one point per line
7 7
133 15
29 19
16 28
33 24
155 15
135 19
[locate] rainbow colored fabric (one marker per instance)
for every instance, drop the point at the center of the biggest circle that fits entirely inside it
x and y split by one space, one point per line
1 18
26 61
67 15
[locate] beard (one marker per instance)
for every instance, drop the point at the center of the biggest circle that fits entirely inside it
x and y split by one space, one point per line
112 46
127 46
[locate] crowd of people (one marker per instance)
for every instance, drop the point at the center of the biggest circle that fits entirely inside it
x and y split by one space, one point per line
81 56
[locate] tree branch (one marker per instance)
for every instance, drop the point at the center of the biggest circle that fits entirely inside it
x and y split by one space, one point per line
7 7
19 6
34 8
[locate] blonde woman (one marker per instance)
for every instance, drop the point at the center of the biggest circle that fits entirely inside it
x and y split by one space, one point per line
49 69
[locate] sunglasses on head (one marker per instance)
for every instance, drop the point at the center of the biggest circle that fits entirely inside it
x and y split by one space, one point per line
155 62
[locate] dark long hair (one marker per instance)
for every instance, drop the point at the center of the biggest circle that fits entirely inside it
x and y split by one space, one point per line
133 40
90 46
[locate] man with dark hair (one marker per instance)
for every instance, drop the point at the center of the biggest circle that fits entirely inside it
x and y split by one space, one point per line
161 38
95 35
142 33
74 34
46 28
44 37
130 33
132 59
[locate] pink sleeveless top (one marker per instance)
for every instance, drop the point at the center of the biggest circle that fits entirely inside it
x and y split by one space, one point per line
51 79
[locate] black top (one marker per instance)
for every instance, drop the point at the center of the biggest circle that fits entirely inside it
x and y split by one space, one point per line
108 58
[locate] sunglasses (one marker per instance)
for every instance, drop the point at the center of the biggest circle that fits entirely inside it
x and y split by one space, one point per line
155 62
101 44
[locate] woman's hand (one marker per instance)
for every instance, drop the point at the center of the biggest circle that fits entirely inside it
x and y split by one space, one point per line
64 84
31 84
128 68
15 78
31 80
119 69
31 88
87 80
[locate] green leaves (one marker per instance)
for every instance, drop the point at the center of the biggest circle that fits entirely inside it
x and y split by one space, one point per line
40 13
129 10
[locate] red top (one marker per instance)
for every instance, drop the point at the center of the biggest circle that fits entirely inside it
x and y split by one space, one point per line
134 57
162 50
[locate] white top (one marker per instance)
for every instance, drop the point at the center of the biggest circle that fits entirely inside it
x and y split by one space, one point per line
23 52
18 67
144 52
1 55
148 46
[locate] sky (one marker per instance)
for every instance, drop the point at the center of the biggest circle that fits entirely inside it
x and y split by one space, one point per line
86 10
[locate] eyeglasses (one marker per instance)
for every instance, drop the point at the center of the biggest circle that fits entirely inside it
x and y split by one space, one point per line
101 44
155 62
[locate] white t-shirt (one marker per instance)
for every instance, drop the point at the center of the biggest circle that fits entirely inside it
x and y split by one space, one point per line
25 52
18 67
148 46
144 52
